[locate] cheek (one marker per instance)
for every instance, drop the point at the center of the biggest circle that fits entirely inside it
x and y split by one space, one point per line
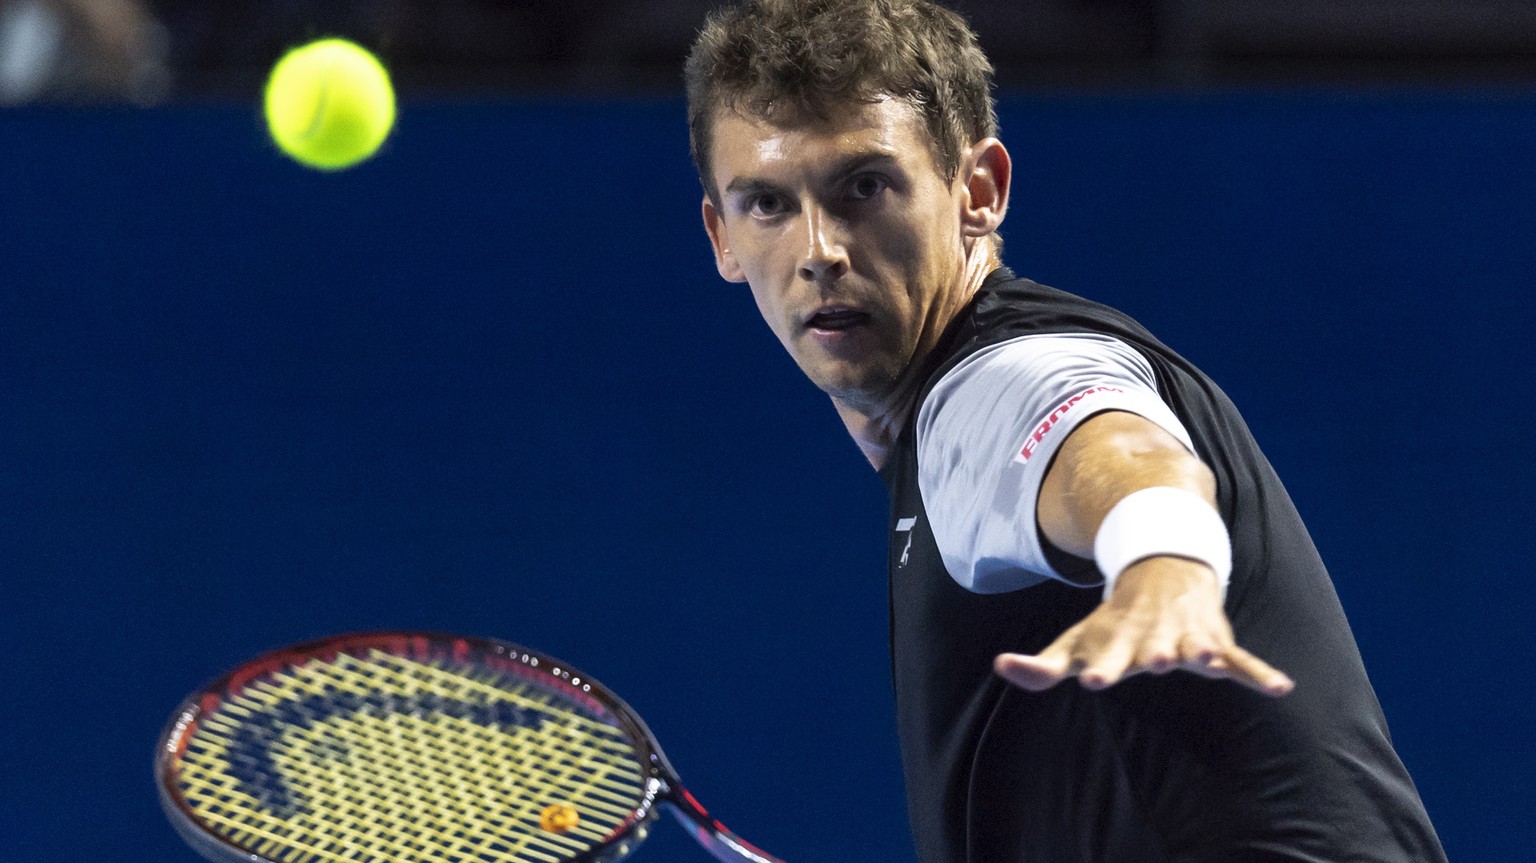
914 251
914 236
759 255
771 307
763 266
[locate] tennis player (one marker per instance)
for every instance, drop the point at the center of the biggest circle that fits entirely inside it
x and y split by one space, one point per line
1112 637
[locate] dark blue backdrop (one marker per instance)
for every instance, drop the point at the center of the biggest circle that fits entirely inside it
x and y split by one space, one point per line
489 383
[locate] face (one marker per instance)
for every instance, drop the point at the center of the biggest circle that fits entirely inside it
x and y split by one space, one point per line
852 241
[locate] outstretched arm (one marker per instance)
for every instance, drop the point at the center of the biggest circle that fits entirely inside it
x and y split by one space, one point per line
1165 611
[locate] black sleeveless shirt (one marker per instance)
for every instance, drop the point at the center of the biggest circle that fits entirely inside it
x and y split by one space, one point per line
1156 768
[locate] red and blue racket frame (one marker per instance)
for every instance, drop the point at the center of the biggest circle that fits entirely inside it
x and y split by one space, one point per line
663 787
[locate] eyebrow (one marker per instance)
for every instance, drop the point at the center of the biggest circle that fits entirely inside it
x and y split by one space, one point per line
742 185
850 164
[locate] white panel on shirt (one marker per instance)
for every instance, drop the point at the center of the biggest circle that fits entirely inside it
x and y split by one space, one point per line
987 432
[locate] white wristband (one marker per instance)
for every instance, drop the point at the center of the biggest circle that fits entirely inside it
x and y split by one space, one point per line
1162 520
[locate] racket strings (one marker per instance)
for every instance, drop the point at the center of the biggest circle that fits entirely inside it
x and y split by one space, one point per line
387 758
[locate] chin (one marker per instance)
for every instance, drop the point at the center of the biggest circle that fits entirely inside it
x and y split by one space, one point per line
859 392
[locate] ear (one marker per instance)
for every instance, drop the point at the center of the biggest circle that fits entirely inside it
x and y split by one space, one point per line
985 173
725 261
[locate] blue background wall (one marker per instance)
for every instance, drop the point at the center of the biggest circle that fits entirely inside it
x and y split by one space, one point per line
490 383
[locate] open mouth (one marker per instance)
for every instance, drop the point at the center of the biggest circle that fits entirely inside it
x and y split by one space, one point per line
835 319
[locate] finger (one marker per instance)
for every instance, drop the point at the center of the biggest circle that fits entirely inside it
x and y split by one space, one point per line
1251 671
1198 652
1107 665
1238 665
1035 673
1160 653
1214 668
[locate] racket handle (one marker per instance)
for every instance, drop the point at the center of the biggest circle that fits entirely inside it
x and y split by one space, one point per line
720 842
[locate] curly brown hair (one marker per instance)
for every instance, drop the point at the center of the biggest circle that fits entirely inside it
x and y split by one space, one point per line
800 59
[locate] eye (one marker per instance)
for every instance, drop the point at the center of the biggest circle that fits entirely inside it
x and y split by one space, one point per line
765 205
866 186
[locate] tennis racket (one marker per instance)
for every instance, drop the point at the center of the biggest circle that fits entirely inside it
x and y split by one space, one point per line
411 747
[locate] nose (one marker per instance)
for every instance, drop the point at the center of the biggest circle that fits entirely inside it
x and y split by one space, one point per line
826 256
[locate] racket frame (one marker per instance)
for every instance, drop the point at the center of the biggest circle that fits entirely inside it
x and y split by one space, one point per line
661 784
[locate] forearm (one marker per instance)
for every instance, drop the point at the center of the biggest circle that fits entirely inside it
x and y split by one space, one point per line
1107 458
1164 553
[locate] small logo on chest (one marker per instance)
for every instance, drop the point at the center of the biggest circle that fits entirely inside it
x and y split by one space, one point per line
905 525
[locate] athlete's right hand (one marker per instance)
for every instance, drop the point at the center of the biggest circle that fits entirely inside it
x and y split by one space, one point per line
1165 614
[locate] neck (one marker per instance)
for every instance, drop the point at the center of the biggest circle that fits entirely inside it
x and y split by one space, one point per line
875 425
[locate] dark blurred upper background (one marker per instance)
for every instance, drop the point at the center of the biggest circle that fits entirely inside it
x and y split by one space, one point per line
149 51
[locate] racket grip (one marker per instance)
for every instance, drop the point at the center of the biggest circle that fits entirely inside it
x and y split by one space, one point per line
720 842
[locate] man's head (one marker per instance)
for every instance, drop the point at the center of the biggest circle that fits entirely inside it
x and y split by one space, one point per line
851 180
811 58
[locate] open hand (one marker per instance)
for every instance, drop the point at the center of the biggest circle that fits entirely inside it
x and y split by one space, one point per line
1165 614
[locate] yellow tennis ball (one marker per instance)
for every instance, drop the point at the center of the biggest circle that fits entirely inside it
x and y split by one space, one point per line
329 104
